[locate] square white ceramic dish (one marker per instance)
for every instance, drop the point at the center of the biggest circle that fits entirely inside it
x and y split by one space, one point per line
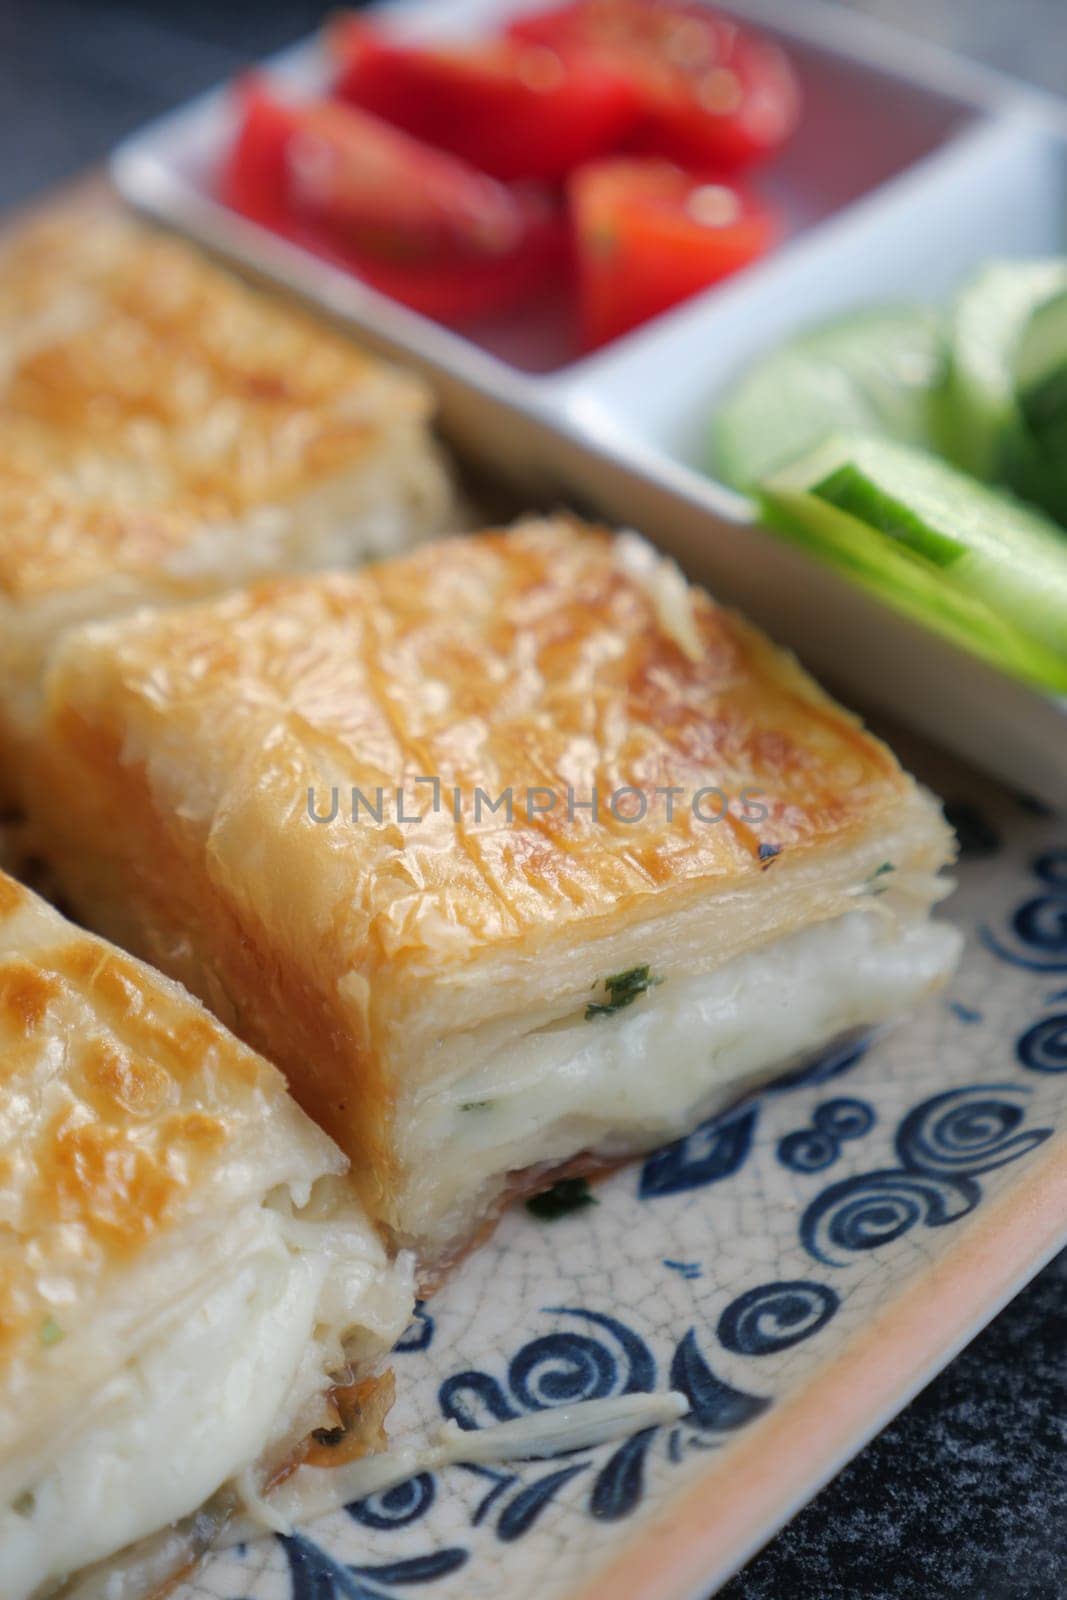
955 164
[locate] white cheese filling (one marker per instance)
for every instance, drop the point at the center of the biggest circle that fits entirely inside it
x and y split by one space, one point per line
228 1377
647 1074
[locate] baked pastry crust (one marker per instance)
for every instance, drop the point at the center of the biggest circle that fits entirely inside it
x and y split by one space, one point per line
125 1107
168 432
149 1161
366 957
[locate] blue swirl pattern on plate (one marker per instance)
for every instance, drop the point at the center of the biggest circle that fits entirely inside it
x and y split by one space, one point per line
944 1145
1038 930
774 1316
814 1148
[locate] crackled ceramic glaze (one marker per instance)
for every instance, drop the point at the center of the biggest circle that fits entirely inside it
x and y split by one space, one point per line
796 1267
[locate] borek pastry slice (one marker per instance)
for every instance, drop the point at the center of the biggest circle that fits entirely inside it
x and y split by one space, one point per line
184 1273
166 433
474 1002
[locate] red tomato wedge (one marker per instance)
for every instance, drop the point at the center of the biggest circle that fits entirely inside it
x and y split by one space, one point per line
388 193
415 223
514 110
650 235
713 93
255 178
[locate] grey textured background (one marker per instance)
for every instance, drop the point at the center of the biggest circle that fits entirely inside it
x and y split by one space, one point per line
965 1495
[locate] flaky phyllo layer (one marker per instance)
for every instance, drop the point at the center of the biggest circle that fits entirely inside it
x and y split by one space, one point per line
170 433
469 1000
183 1271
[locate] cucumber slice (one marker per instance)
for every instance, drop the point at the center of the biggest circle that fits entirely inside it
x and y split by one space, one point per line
1041 386
874 370
958 556
1039 367
1003 405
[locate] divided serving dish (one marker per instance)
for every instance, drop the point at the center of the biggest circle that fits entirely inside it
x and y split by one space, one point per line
955 165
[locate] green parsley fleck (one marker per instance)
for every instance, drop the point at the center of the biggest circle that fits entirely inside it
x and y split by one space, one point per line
476 1105
873 886
569 1194
51 1332
622 990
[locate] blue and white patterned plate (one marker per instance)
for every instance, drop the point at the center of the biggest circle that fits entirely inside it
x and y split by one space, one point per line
797 1267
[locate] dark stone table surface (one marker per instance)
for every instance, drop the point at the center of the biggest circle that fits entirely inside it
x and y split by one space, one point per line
964 1496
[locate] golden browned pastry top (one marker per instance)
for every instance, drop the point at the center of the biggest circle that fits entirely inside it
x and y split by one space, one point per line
549 658
145 393
125 1111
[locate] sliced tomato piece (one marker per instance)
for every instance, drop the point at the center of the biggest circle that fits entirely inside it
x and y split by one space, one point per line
650 235
255 177
713 93
514 110
387 192
394 194
416 224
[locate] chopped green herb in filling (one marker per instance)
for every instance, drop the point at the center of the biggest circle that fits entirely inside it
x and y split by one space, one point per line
475 1105
622 990
51 1332
569 1194
873 884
